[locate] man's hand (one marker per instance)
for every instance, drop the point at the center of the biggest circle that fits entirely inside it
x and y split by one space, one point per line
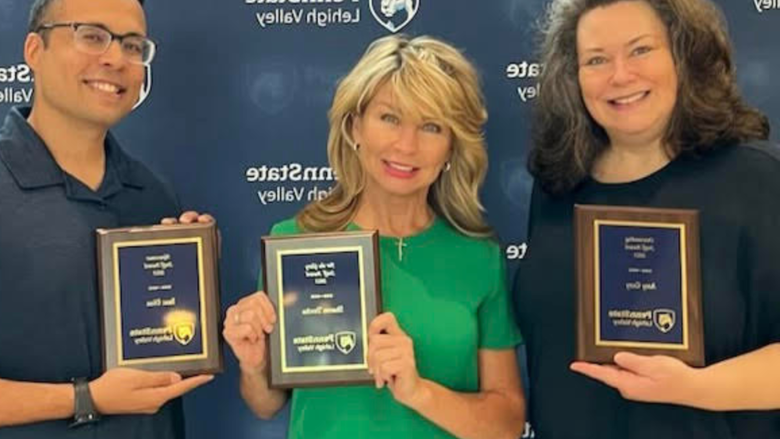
189 217
131 391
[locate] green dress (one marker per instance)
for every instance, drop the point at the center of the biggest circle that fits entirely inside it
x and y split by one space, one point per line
448 292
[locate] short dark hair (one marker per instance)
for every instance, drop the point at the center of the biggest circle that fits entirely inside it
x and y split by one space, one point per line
710 112
38 12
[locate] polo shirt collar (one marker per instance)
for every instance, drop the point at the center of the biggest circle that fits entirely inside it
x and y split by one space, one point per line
24 153
32 165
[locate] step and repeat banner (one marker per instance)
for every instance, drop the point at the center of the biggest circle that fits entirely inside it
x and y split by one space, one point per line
236 117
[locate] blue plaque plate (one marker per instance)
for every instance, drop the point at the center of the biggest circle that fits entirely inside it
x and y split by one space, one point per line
641 292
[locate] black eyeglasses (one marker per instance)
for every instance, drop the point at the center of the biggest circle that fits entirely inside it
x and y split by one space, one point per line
95 40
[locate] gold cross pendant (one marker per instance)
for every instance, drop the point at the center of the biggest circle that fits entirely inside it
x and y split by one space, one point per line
401 245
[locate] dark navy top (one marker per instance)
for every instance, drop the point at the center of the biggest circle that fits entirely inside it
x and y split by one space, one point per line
49 317
737 193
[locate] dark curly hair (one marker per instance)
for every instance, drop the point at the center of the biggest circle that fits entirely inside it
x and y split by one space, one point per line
709 112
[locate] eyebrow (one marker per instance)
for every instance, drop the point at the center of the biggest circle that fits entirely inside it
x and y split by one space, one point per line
630 43
388 105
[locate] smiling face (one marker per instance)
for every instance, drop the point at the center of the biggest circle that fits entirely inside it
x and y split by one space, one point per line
626 71
84 88
401 154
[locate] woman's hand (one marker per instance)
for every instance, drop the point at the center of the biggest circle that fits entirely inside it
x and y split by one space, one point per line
391 359
246 324
645 378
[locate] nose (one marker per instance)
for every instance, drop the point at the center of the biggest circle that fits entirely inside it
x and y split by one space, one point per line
407 141
113 56
622 72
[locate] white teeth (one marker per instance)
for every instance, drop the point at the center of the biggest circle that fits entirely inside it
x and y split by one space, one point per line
106 87
400 167
630 99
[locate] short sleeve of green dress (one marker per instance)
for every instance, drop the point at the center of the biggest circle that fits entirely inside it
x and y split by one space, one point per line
449 294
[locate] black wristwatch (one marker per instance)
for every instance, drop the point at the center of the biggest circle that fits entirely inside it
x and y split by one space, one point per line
84 412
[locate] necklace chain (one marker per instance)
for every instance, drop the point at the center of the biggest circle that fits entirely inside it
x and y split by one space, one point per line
401 244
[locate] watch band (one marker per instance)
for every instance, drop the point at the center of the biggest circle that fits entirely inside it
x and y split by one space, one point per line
84 412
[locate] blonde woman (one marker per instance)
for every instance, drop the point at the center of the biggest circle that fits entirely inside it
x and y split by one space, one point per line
406 142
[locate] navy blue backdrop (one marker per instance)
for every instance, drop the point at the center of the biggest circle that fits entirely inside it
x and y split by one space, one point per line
238 109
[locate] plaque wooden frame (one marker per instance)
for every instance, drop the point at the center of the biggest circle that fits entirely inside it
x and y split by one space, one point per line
273 247
109 242
587 220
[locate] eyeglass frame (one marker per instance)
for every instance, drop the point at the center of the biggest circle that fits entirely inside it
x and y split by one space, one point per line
76 25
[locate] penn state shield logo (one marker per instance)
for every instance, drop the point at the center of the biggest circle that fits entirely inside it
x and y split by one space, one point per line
184 332
394 15
345 341
664 319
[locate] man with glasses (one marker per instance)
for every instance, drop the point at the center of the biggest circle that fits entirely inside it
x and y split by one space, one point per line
63 175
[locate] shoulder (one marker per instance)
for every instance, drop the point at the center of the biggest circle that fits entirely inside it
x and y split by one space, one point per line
762 159
145 197
547 207
738 181
759 171
5 143
286 227
474 248
754 165
758 153
136 173
14 148
137 170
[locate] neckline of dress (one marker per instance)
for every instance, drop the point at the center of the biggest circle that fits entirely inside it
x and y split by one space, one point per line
403 242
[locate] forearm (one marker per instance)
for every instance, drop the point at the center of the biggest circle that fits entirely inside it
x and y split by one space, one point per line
260 398
487 414
25 403
747 382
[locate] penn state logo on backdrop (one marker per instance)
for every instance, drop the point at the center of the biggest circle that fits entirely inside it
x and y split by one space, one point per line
394 15
345 341
664 319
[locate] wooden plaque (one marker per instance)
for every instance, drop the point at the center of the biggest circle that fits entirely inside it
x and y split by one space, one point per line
325 288
159 294
638 282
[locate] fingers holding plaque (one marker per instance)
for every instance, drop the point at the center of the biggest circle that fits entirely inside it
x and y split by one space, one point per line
325 289
160 298
639 283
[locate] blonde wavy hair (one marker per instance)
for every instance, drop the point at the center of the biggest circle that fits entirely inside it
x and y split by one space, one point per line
431 79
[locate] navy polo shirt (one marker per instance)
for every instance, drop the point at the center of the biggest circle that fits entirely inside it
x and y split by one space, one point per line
49 317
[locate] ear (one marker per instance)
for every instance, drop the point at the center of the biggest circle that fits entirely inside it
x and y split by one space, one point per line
451 147
357 129
33 47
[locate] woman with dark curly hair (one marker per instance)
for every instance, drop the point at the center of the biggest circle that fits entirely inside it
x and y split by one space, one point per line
639 106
